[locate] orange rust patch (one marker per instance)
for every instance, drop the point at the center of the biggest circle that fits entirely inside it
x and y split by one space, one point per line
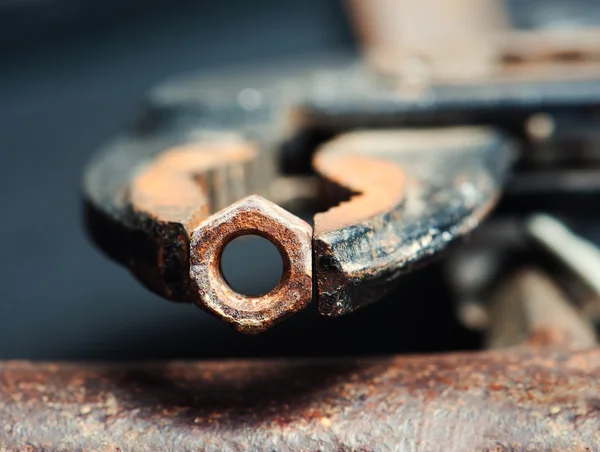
379 182
173 187
368 163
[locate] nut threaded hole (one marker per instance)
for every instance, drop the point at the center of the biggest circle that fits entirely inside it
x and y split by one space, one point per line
251 265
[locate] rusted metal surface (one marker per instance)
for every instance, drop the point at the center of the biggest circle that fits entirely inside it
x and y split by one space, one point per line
290 235
513 400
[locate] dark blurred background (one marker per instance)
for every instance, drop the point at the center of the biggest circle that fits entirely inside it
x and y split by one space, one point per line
73 73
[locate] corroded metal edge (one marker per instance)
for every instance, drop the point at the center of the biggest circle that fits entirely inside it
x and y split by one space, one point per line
453 179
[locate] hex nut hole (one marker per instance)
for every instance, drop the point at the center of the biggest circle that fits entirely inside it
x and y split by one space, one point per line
251 265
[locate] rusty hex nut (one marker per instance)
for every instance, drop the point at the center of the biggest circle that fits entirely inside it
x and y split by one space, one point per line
292 236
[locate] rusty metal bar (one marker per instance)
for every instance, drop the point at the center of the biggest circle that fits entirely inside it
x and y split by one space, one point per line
511 400
529 307
426 39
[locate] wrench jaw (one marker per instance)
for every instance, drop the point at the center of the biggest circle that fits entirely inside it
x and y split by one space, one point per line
411 193
418 192
408 195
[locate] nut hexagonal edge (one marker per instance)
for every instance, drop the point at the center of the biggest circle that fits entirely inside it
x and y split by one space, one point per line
292 236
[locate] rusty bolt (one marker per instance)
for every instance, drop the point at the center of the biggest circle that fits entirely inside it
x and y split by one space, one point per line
292 236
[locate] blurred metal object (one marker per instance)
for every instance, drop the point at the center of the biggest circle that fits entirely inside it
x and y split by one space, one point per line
581 257
529 308
421 41
515 293
426 42
470 273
